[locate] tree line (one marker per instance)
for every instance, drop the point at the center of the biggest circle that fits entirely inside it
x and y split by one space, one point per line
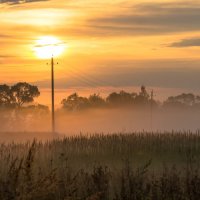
22 94
143 99
121 99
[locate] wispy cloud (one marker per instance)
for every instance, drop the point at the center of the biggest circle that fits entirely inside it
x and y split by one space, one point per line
190 42
4 36
153 75
19 1
150 19
7 56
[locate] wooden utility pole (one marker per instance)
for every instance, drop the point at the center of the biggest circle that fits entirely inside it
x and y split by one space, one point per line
52 95
152 95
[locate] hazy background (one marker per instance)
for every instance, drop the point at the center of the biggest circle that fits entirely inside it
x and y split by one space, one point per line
94 121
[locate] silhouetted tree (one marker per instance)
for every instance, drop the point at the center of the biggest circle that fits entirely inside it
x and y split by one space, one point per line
197 102
143 92
6 98
24 93
122 98
96 100
182 101
75 102
143 98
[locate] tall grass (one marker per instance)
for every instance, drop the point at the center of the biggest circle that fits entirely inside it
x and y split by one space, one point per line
146 166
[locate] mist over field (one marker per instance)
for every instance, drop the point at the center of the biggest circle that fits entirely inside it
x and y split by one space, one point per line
124 120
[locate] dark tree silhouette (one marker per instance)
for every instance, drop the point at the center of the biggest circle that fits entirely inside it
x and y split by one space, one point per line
143 98
75 102
182 101
95 100
24 93
122 98
6 98
143 92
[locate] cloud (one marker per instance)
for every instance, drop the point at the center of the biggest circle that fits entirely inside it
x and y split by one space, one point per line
191 42
7 56
4 36
19 1
133 20
173 74
150 19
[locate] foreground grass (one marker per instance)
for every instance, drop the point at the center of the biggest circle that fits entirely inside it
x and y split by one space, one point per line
138 166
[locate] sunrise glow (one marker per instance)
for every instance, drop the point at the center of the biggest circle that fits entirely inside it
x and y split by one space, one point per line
48 46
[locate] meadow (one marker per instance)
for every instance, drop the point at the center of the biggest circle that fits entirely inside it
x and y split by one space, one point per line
131 166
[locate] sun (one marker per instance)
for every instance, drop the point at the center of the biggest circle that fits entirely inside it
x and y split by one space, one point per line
48 46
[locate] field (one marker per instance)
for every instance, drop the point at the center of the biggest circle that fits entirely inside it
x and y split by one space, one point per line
135 166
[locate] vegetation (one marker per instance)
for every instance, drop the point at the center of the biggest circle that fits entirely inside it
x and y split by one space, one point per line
138 166
122 99
183 101
22 94
18 94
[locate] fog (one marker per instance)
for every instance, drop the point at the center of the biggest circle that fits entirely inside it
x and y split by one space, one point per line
127 120
21 126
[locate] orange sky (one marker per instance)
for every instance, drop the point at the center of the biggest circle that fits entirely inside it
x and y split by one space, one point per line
119 43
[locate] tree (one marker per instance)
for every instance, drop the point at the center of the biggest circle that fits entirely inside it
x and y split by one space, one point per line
24 93
6 97
96 100
75 102
143 97
143 92
122 98
182 101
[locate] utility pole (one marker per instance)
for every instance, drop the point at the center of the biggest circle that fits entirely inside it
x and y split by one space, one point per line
52 95
152 95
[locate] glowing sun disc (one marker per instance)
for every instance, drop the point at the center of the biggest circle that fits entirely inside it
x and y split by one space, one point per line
48 46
